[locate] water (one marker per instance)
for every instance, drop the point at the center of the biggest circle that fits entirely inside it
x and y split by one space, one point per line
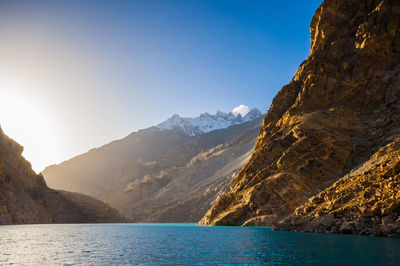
186 244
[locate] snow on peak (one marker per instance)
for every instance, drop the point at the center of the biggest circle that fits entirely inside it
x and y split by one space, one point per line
241 109
207 122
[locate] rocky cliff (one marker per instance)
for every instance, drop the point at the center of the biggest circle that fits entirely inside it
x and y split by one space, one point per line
365 201
341 107
25 198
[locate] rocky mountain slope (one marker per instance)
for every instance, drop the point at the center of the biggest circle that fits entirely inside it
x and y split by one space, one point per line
160 174
25 198
341 107
365 201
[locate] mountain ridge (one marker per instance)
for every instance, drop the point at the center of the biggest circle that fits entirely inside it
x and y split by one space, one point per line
134 173
207 122
252 114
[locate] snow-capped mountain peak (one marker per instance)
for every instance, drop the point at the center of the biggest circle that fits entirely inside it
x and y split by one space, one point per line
206 122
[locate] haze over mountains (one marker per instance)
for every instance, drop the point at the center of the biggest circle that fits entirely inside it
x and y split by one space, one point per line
167 173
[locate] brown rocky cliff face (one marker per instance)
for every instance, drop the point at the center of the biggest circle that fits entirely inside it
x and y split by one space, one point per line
365 201
339 109
25 198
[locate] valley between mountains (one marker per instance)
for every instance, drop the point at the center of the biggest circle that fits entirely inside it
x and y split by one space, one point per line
324 158
171 172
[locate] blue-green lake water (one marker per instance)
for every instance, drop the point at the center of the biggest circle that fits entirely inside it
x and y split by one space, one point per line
186 244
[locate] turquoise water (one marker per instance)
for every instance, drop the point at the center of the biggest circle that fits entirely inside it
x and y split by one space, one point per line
186 244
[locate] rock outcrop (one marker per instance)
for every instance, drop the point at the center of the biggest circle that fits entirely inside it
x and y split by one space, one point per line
365 201
25 197
341 107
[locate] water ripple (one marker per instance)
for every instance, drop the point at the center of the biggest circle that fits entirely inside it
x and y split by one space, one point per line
104 244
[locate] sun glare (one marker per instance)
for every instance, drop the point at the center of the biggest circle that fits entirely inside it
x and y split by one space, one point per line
24 120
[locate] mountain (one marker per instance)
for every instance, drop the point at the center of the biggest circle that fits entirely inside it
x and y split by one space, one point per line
162 173
206 122
25 198
326 156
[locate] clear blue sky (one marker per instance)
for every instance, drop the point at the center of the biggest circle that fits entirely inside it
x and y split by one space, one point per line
98 70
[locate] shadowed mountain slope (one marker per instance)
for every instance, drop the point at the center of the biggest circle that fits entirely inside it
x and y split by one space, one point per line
161 174
25 198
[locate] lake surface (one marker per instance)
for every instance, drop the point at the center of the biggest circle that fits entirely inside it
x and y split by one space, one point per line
186 244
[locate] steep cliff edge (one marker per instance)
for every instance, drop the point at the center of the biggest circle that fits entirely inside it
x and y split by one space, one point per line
25 198
341 107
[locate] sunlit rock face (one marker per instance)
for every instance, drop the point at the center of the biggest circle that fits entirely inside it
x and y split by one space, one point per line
365 201
25 198
341 107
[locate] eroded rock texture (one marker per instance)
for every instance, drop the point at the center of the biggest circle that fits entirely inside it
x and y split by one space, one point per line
340 108
365 201
25 198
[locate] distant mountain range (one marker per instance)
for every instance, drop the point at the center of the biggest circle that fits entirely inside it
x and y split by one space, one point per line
171 172
207 122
